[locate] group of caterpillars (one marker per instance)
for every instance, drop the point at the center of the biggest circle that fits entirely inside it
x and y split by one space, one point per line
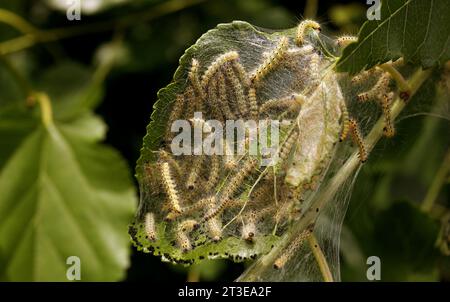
203 194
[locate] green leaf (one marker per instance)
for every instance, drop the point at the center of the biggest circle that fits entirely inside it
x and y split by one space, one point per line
64 194
419 30
404 239
72 89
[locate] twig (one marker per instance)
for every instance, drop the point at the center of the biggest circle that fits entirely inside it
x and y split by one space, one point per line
320 259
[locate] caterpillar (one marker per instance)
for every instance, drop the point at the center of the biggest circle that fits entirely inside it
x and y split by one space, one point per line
290 250
241 73
346 40
183 241
165 156
238 89
232 187
224 100
253 103
378 90
193 178
303 27
315 74
170 187
345 124
213 97
213 225
149 223
248 231
288 144
194 79
365 75
191 102
271 62
188 225
293 103
357 138
213 174
230 161
176 113
388 130
216 65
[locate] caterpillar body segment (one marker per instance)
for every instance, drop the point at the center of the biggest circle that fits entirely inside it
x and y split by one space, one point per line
303 28
194 176
271 62
254 111
214 173
377 92
175 114
224 101
345 124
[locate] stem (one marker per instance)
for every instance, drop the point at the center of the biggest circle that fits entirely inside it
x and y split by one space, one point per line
320 259
44 36
16 22
326 195
397 76
437 184
46 107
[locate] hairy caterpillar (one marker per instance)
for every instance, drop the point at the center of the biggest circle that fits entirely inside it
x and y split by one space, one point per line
224 100
303 27
365 75
213 224
238 89
232 187
388 130
271 62
193 177
213 97
357 138
150 226
378 90
176 112
290 250
183 240
249 228
293 103
194 79
253 103
214 174
216 65
289 143
346 40
169 185
345 124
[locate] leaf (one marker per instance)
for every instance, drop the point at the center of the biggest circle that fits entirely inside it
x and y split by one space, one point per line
419 30
64 194
404 240
72 89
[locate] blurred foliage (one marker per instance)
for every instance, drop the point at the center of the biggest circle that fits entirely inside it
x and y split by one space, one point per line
112 69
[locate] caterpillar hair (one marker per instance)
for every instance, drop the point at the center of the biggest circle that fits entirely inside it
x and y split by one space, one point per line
213 97
271 62
213 225
216 65
191 102
229 158
388 130
170 187
365 75
293 103
288 144
344 41
290 250
242 74
357 138
188 225
238 89
150 226
302 29
248 231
